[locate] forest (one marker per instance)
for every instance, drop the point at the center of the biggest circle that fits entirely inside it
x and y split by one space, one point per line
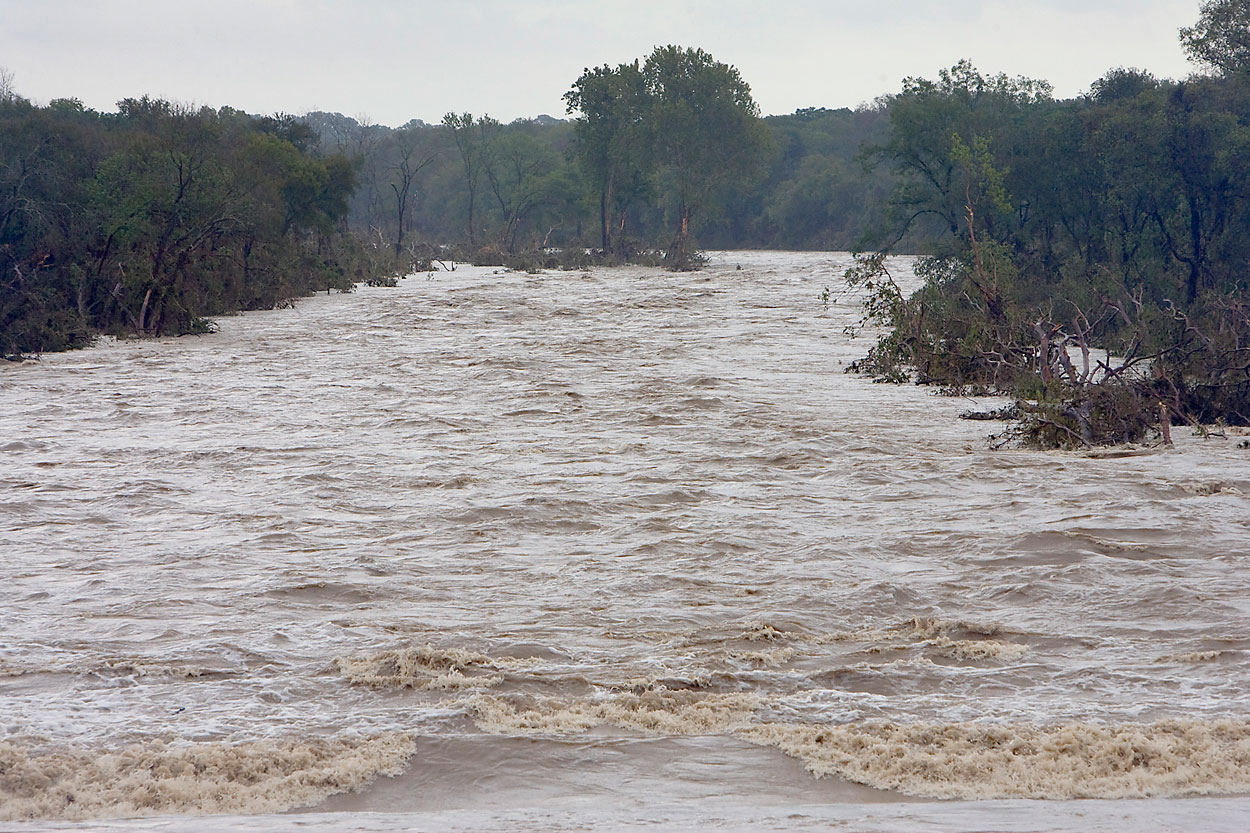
1093 254
1088 256
148 220
145 221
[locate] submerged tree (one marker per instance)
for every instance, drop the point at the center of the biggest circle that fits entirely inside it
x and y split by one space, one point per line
610 136
685 119
145 221
474 139
706 135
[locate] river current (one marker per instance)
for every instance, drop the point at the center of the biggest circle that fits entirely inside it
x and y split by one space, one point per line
596 548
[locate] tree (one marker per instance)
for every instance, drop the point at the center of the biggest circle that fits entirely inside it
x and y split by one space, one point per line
930 121
474 139
7 91
706 134
1121 83
610 135
1207 151
1221 37
515 171
366 143
148 220
411 160
46 159
168 202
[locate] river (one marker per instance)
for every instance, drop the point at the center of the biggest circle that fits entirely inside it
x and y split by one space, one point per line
603 548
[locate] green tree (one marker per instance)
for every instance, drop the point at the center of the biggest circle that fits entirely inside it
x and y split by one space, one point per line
47 297
1221 37
147 220
1207 152
930 121
168 202
515 172
610 136
474 140
706 135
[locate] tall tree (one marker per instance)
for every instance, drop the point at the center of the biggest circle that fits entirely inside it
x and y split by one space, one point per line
706 134
411 159
1207 152
610 135
474 140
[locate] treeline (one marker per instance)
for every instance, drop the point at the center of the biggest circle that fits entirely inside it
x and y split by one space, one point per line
146 220
1094 253
1087 256
816 190
642 143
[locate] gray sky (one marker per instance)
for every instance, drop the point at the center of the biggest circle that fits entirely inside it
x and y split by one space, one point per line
394 60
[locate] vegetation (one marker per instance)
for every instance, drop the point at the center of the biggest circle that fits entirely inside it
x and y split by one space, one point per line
705 135
1093 253
1221 37
1088 257
611 141
144 221
651 141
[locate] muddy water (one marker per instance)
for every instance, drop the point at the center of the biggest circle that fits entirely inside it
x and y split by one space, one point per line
581 547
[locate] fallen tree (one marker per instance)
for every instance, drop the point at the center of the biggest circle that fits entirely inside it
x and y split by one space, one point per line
1120 370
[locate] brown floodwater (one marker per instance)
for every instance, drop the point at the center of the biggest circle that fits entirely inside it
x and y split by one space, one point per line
536 551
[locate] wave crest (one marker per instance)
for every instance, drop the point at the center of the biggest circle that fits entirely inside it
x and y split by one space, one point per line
979 761
163 778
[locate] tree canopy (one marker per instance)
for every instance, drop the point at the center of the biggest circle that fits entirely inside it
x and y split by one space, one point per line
147 220
683 120
1221 37
705 134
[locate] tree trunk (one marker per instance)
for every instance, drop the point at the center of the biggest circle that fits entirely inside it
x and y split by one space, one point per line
1196 249
679 255
603 220
605 212
143 313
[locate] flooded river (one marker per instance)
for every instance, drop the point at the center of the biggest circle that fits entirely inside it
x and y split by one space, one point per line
597 548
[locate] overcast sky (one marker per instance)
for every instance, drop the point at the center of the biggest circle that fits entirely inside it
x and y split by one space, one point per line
395 60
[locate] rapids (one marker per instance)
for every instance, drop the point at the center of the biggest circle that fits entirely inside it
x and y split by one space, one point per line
593 547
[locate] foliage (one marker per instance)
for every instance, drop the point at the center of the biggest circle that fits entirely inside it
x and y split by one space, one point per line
597 184
610 139
705 134
1093 257
935 127
683 121
145 221
1221 37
